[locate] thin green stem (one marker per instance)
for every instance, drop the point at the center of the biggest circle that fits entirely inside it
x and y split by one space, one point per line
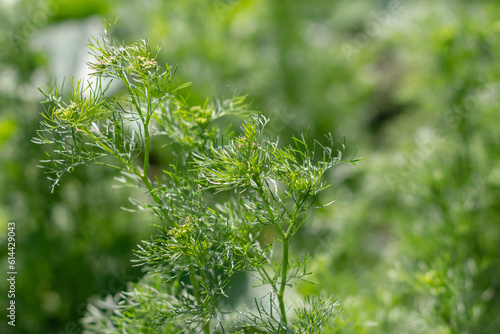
194 282
268 277
284 263
284 274
145 168
145 121
196 290
129 167
110 150
124 78
271 213
110 166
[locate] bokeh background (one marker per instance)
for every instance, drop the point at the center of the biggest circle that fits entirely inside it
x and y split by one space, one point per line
412 243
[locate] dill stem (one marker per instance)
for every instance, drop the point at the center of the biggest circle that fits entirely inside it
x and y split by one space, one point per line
284 274
196 290
284 264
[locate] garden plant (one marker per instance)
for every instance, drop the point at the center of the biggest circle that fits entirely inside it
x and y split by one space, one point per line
227 203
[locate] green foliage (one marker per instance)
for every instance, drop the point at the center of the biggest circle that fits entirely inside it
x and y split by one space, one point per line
428 196
314 314
204 241
411 244
58 269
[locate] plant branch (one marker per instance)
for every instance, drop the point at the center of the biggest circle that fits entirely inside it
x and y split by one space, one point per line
284 274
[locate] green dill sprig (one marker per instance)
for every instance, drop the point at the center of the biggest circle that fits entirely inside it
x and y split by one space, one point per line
202 242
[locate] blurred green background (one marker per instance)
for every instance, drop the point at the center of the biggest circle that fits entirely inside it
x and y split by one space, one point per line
412 243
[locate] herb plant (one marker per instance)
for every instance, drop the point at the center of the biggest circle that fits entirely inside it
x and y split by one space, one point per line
213 201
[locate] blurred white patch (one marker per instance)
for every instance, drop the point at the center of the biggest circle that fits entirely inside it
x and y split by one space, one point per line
8 2
65 45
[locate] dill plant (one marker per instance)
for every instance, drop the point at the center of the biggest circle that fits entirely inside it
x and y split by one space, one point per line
219 192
